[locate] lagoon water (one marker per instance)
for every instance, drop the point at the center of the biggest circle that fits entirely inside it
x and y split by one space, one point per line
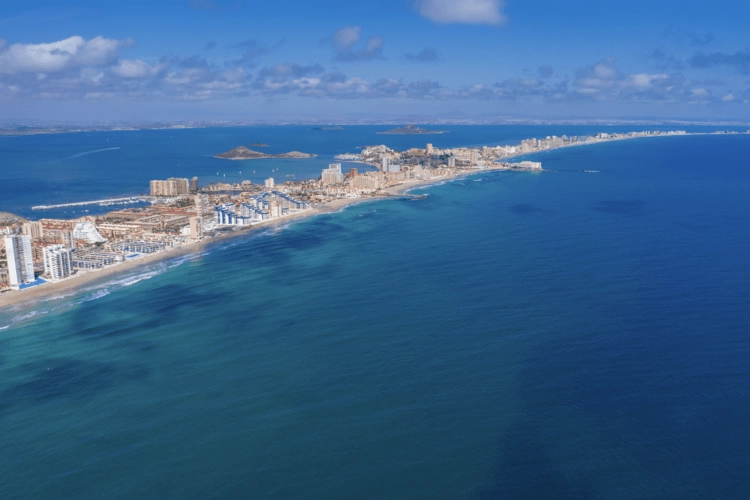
563 334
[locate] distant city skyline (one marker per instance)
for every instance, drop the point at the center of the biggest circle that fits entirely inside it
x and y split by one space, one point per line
336 61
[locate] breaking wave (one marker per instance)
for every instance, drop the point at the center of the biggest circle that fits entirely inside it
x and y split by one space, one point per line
98 295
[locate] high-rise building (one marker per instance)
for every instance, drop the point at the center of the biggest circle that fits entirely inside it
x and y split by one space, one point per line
201 204
332 174
196 228
171 187
452 161
352 173
429 149
57 263
33 229
194 184
269 183
365 183
20 260
385 164
474 157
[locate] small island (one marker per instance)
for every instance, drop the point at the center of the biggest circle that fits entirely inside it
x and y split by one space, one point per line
242 153
411 130
334 127
258 145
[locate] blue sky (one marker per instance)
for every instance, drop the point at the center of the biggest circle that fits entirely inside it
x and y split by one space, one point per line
241 60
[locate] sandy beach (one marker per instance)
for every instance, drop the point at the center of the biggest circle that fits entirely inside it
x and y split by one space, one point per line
78 281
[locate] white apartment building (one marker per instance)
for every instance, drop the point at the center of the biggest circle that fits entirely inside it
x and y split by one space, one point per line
57 263
87 231
20 260
332 174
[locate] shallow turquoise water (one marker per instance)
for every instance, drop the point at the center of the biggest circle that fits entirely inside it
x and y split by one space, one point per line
512 335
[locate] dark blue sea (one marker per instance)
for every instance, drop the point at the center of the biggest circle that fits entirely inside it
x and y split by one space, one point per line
576 333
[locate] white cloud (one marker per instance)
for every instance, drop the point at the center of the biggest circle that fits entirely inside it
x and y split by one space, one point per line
53 57
463 11
728 98
127 68
643 80
346 45
347 36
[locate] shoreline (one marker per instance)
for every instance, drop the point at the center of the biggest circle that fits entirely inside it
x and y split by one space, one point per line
75 283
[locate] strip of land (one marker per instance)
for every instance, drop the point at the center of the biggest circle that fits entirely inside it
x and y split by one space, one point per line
333 201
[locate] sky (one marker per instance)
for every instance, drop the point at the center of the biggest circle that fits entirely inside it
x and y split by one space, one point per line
369 61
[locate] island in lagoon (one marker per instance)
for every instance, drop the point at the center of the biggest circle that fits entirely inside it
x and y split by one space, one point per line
410 130
243 153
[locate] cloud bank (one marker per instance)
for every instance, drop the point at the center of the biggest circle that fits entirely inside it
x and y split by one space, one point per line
75 68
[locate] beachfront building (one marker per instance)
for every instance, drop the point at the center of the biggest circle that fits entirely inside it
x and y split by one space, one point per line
137 246
226 215
87 231
194 185
332 174
269 183
171 187
57 264
81 259
365 183
20 260
196 228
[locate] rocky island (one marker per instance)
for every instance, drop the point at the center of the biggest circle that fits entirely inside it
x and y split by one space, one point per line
242 153
410 130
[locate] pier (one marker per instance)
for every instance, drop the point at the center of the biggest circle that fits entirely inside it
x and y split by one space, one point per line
103 203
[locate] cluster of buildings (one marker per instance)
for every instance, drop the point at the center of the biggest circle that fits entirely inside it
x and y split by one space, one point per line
251 209
174 187
34 252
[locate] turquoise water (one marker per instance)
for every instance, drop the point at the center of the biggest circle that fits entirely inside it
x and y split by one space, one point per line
513 335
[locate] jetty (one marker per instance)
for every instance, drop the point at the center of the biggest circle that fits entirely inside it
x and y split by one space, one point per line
103 203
